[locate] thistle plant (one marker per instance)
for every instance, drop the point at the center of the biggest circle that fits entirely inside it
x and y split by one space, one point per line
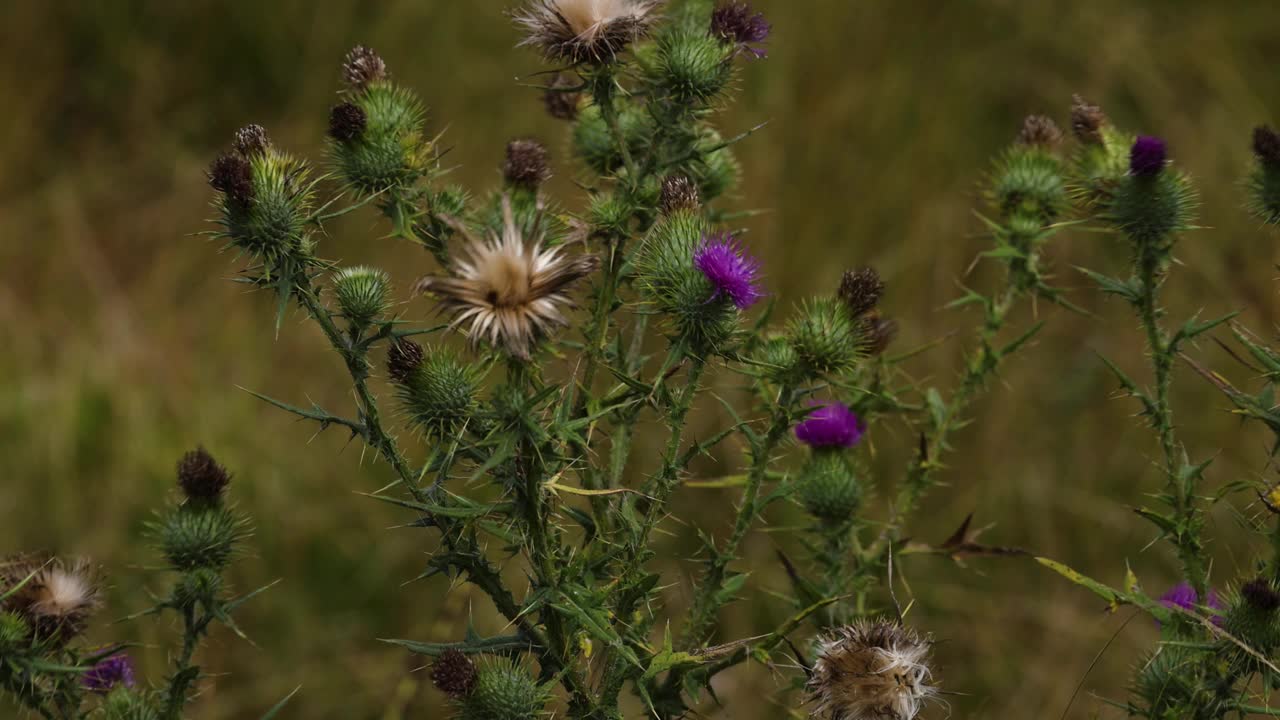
1215 658
508 429
48 604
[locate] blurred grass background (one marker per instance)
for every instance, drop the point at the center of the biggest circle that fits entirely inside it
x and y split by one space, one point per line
123 343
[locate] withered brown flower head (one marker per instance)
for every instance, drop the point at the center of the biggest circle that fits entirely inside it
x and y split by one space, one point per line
252 140
560 100
585 30
509 290
871 670
861 290
1040 131
58 596
1087 121
526 165
679 193
362 67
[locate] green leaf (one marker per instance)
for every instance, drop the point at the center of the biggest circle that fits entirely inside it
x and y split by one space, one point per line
275 710
1126 289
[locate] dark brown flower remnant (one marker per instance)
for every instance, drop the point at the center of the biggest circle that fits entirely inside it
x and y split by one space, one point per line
1040 131
403 358
577 31
561 102
526 165
454 673
252 140
679 193
1087 121
881 332
201 477
363 67
231 174
1260 595
861 290
347 122
1266 145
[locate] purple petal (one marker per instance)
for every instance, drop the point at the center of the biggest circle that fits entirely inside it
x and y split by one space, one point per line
831 425
733 273
1147 156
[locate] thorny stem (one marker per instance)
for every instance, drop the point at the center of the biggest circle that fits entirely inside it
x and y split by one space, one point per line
184 672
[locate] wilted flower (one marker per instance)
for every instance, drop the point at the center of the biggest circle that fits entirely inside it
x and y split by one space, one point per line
363 67
347 122
509 289
58 598
735 22
526 164
252 140
1087 121
231 175
454 673
734 274
201 477
1040 131
1147 156
108 674
881 332
561 101
861 290
1266 145
833 424
1260 595
871 670
581 30
679 193
1184 597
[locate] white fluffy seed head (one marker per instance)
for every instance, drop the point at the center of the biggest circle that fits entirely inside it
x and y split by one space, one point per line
871 670
579 30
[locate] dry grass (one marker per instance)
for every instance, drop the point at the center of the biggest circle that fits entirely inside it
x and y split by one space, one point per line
123 343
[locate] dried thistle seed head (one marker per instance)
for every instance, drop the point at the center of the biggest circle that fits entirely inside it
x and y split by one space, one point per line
578 31
454 673
1040 131
1266 145
679 193
252 140
527 165
403 358
872 670
200 477
861 290
509 289
363 67
58 599
231 175
562 103
1087 121
881 332
735 22
347 122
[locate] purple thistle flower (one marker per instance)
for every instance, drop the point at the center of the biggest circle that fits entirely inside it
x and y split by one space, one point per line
734 273
109 673
1147 156
1184 597
734 22
833 424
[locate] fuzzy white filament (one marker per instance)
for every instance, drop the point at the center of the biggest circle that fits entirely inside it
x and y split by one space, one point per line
871 670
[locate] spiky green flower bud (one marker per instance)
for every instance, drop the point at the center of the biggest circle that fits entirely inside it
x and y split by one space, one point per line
827 337
1151 205
199 586
829 486
692 67
198 536
363 293
439 393
1254 617
265 202
1166 683
377 140
610 215
504 690
14 633
1028 182
593 141
778 361
672 283
125 703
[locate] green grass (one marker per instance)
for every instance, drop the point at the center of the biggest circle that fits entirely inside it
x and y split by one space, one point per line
123 343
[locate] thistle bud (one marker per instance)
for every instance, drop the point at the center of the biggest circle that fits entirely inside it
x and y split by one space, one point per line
861 290
778 361
504 690
593 141
15 633
826 336
454 673
127 704
265 202
200 586
193 537
1040 131
363 67
829 487
1264 180
669 279
363 294
526 165
872 669
201 478
1164 685
1087 121
403 359
679 194
610 215
1260 595
347 122
1029 184
252 140
692 67
438 393
562 103
1151 204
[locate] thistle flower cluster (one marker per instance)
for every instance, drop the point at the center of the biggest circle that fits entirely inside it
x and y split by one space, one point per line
48 603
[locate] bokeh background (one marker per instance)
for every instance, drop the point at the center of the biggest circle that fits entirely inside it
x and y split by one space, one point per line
122 343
